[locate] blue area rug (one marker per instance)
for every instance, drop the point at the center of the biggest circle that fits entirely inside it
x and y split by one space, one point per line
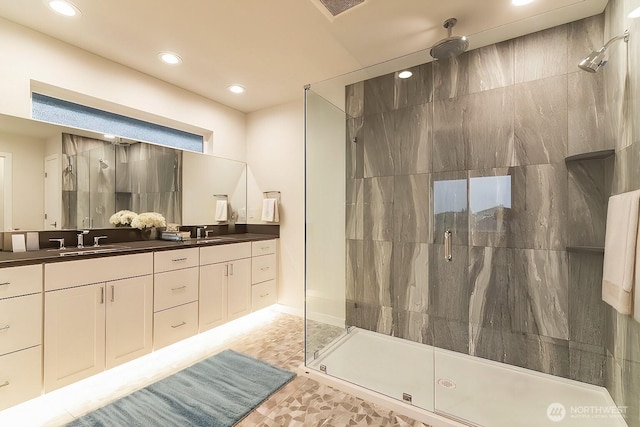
218 391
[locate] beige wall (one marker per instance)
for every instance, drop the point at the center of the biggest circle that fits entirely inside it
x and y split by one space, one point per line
275 154
28 179
54 64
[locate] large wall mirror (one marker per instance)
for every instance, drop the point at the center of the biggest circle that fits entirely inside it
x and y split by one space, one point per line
55 177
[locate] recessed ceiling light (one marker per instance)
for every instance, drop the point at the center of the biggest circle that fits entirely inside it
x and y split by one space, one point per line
170 58
63 7
405 74
236 88
635 13
520 2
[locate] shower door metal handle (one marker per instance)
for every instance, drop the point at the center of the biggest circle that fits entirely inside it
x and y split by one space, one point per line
447 245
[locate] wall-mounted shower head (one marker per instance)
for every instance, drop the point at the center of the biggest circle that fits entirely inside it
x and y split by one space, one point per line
103 164
452 46
595 60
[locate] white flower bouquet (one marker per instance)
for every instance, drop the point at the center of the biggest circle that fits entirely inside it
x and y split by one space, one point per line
123 218
148 220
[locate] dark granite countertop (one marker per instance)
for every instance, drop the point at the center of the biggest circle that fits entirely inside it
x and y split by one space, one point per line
11 259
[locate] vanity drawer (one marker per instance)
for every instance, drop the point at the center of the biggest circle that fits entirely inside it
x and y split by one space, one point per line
68 274
175 324
173 260
16 281
263 247
263 294
173 288
20 323
263 268
20 376
223 253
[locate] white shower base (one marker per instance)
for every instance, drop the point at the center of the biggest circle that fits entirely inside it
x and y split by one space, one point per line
475 391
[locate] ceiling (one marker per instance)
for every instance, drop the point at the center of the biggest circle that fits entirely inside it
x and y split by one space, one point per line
273 48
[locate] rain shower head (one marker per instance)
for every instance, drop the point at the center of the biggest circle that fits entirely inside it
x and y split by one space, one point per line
103 164
595 60
450 47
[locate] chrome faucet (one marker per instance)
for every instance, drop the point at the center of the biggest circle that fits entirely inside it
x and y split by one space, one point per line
200 232
81 238
60 242
96 240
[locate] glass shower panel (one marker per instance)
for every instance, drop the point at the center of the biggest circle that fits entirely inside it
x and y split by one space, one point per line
89 185
375 287
325 224
102 176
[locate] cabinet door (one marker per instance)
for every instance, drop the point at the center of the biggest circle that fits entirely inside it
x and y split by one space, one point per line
213 295
129 319
73 335
239 288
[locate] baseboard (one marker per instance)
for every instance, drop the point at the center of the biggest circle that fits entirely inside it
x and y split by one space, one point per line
288 310
318 317
326 319
430 418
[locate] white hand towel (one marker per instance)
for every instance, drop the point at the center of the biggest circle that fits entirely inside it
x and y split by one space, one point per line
621 251
221 210
270 210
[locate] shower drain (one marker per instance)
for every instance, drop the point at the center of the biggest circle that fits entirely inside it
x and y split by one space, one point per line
446 383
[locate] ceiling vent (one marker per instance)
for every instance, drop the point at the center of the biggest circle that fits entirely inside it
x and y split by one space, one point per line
336 7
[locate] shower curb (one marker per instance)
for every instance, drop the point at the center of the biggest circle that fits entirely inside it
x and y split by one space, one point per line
428 417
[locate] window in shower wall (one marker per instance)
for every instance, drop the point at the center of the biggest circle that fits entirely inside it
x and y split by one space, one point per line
490 204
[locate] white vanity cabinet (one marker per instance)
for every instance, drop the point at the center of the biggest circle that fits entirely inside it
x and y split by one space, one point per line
175 296
20 334
97 314
263 274
225 283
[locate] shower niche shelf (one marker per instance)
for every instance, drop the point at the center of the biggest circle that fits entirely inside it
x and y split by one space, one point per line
594 155
586 249
597 186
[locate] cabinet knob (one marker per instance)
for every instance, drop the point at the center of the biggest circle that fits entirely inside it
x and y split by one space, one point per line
178 325
179 288
5 283
4 384
5 327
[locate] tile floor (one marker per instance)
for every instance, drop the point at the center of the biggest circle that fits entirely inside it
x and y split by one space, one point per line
268 335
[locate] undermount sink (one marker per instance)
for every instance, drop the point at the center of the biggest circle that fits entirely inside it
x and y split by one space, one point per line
87 250
205 240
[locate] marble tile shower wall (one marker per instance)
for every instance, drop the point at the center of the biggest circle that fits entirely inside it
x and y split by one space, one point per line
149 179
477 145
